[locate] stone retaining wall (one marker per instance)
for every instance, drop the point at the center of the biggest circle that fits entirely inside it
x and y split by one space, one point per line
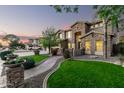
15 77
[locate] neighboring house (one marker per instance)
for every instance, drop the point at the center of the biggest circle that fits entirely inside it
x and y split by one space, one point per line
4 43
90 37
34 43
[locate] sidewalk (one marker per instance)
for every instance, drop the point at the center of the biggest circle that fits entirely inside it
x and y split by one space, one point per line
113 60
45 66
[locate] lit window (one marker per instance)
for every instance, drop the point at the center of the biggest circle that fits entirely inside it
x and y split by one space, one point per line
87 45
96 25
122 39
60 36
101 24
69 45
99 46
69 34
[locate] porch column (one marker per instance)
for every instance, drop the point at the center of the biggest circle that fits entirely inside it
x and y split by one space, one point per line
93 44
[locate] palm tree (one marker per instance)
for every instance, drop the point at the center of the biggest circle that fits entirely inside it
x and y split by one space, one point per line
109 13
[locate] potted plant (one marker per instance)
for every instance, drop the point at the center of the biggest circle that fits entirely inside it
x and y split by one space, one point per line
36 51
13 63
66 54
54 51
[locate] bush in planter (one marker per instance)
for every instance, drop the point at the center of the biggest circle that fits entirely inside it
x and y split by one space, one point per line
29 63
11 56
36 51
12 63
54 51
66 54
4 54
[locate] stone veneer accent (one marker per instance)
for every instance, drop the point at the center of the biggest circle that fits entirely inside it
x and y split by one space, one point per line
15 77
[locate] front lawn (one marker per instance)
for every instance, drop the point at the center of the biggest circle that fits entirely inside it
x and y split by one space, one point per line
87 74
38 58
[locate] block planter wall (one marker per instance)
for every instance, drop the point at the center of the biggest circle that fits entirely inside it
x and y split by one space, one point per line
15 77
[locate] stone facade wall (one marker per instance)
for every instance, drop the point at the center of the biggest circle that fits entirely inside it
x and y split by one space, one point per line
78 27
15 77
98 30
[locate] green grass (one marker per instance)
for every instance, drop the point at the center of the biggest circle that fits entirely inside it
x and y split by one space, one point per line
38 58
87 74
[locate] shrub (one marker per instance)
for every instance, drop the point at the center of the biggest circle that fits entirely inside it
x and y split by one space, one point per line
66 54
121 47
11 56
118 49
13 62
4 54
54 51
115 50
29 63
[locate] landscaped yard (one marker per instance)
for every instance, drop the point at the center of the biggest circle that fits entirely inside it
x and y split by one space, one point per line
82 74
38 58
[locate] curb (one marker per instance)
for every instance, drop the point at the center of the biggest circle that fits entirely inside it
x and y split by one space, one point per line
51 72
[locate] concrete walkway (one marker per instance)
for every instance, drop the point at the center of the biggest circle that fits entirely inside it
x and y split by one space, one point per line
45 66
113 60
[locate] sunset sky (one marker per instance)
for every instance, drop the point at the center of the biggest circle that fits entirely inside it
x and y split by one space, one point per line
32 20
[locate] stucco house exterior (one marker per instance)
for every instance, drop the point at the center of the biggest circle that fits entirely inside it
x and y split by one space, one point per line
90 37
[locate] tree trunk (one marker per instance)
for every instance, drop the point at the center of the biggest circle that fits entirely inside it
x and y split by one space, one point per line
105 39
117 34
49 47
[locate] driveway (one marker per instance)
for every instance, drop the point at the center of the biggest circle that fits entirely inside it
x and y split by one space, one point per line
28 53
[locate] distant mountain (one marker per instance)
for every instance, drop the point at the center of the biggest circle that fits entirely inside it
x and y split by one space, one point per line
21 37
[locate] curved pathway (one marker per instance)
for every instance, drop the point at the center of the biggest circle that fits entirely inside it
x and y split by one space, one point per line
34 77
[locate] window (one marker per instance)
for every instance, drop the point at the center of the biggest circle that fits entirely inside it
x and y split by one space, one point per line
87 45
122 39
91 26
101 24
68 34
99 46
96 25
60 36
69 45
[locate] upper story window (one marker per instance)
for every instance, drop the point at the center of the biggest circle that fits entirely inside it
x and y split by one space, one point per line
60 35
97 25
101 24
92 26
68 34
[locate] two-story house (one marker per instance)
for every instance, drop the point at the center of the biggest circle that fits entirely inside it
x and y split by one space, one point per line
90 37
